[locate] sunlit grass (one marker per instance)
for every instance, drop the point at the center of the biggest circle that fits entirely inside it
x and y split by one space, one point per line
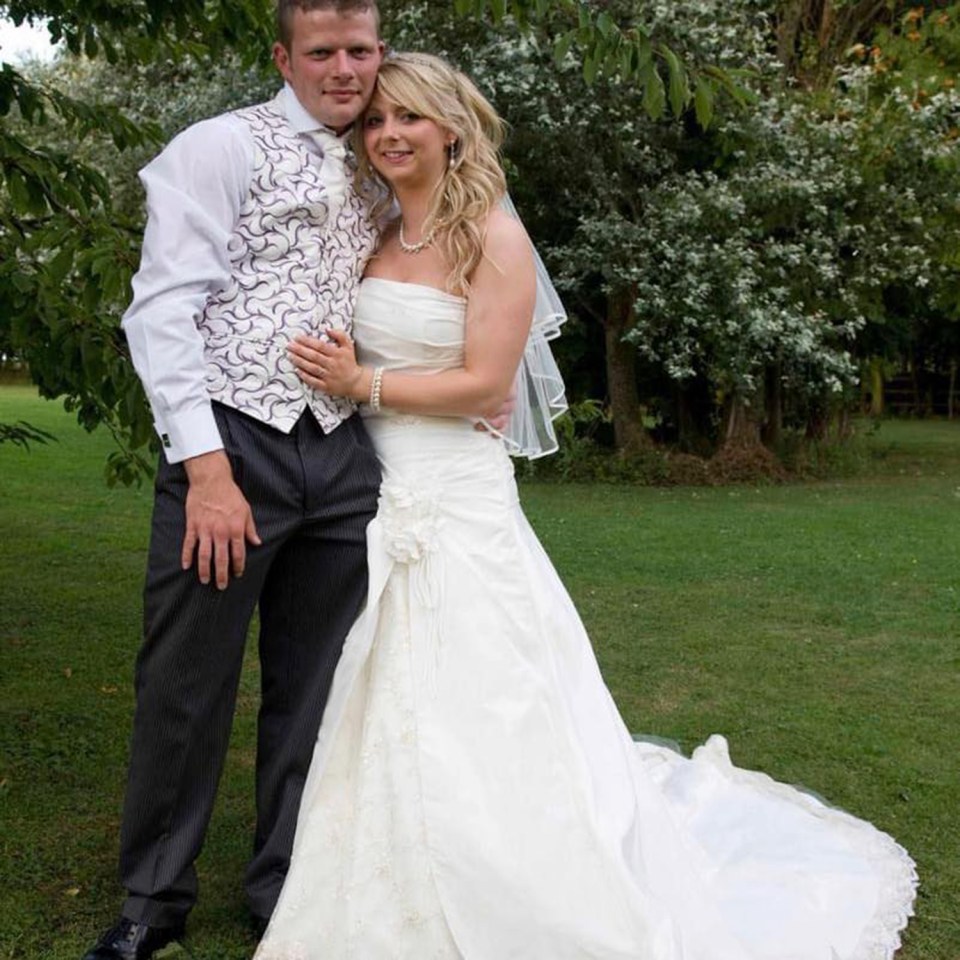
815 625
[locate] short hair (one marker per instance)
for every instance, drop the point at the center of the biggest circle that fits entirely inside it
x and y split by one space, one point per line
286 8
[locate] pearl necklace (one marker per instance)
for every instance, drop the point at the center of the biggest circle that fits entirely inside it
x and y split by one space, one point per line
414 247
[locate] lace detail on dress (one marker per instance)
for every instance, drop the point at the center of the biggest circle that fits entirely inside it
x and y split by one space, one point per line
892 864
286 951
361 885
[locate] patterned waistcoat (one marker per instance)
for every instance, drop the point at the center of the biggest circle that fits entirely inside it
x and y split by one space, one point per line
292 271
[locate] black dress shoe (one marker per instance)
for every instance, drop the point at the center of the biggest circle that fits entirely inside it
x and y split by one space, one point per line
258 925
130 940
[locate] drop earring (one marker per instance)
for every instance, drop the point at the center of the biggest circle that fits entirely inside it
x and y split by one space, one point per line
452 151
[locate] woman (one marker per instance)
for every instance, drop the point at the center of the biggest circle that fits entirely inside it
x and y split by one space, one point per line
474 792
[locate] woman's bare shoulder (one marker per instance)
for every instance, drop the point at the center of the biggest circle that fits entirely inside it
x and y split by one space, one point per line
505 239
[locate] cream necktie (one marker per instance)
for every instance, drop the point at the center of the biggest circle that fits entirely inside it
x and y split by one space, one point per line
332 168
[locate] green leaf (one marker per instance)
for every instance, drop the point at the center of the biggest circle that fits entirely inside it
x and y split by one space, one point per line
29 101
612 58
654 92
704 99
562 47
727 79
679 85
628 60
90 46
72 39
20 194
110 51
644 53
520 12
60 265
23 284
90 295
590 67
22 434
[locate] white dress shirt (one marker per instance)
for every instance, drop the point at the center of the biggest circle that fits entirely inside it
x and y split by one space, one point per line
195 190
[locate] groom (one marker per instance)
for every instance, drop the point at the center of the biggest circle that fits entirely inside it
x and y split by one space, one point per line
265 488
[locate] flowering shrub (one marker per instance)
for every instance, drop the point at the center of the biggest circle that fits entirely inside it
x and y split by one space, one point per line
910 140
773 252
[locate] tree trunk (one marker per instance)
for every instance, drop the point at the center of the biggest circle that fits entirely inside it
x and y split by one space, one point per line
844 423
877 387
788 30
629 434
772 432
818 418
825 33
951 389
813 35
918 380
695 409
742 458
742 427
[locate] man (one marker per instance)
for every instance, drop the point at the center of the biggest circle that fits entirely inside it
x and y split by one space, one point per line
264 490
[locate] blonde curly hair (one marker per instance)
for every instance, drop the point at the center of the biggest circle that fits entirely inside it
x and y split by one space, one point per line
473 184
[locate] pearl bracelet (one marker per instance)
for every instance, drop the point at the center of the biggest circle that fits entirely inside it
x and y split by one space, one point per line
375 386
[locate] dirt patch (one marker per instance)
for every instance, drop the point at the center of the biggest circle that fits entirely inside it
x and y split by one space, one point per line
686 470
746 463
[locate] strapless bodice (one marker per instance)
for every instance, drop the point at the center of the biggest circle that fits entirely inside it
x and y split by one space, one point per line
420 330
408 326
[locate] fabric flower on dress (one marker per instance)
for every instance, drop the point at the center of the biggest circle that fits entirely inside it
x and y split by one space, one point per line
410 520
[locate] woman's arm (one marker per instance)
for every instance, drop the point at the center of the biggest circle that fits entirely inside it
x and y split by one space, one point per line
499 313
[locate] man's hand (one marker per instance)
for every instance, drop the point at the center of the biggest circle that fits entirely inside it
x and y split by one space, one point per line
502 418
219 520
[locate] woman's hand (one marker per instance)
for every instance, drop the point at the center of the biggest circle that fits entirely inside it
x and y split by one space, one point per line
330 367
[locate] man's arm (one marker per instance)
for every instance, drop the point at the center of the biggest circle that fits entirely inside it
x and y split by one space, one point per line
195 190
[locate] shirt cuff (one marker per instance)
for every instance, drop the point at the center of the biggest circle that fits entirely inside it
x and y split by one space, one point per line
189 434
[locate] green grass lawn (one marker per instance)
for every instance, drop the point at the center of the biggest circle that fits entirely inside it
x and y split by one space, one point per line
816 626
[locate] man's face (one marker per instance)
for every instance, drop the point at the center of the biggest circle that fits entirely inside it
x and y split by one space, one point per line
332 63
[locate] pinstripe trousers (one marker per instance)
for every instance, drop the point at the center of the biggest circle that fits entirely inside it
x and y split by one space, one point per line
312 496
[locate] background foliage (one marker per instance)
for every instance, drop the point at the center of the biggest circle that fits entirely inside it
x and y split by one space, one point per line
751 205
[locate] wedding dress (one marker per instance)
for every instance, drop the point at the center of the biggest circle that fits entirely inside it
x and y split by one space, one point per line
474 792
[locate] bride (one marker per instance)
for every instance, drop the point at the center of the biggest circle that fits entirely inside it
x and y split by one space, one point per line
474 792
